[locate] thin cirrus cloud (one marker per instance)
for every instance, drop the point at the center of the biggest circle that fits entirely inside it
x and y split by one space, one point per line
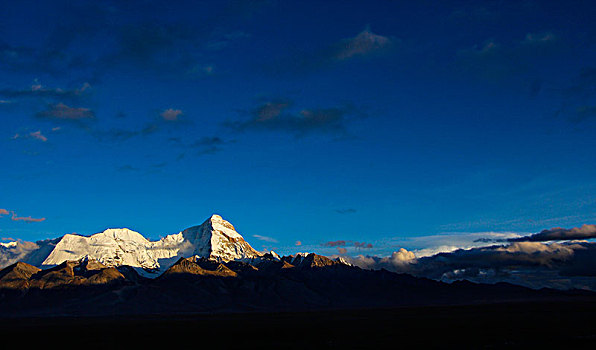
56 109
26 218
560 234
144 43
208 145
265 238
342 243
15 217
167 117
202 146
171 114
365 44
539 38
37 90
61 111
583 232
339 243
36 135
363 245
277 116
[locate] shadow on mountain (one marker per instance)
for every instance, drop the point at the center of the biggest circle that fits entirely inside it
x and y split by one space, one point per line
204 286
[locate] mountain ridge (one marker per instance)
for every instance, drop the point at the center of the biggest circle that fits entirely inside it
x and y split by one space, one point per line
215 238
203 285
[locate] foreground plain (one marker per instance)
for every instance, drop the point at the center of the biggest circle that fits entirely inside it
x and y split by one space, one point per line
517 325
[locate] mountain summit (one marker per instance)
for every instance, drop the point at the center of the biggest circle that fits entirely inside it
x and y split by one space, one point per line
214 239
217 239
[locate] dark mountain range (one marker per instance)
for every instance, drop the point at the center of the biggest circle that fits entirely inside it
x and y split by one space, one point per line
211 269
200 285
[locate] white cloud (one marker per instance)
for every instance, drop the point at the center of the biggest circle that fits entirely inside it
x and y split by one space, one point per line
443 243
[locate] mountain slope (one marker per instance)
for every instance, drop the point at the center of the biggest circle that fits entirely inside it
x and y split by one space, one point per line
17 276
200 285
214 239
113 247
84 272
198 266
217 239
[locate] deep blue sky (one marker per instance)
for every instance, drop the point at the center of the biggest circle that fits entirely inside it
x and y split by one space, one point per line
312 122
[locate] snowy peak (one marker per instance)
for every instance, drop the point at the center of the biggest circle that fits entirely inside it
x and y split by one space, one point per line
9 244
217 239
122 234
112 247
218 222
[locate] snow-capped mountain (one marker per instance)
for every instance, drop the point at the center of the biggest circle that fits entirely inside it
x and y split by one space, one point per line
113 247
215 239
30 252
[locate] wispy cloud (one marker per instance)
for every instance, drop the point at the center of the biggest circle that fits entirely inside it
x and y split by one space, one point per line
539 38
532 260
171 115
36 135
346 211
127 167
37 90
14 216
335 243
265 238
208 145
442 243
61 111
130 37
342 243
363 245
276 116
204 145
533 264
365 43
26 219
559 234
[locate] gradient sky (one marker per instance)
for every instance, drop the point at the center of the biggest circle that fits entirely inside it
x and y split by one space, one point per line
365 121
